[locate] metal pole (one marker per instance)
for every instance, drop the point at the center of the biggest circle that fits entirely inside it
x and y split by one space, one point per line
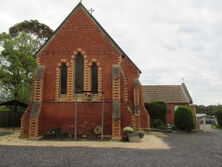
75 116
13 117
102 123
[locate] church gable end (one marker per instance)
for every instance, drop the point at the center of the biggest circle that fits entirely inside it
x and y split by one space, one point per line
83 64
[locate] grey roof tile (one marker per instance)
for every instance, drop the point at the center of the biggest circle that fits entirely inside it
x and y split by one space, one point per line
169 93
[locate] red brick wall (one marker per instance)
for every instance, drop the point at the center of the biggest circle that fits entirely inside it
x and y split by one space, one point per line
78 32
25 124
170 115
133 73
81 32
62 115
144 118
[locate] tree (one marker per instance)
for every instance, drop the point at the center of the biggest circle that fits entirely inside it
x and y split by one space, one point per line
36 30
17 64
209 110
17 58
218 115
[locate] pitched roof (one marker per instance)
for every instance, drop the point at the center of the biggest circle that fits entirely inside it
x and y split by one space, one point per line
177 94
99 26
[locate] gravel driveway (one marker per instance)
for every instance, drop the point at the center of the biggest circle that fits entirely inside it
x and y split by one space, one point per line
199 149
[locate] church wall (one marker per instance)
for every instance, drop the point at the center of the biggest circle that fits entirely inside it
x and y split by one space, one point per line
131 74
88 117
81 33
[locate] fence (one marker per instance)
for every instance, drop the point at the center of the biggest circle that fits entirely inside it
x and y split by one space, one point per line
10 118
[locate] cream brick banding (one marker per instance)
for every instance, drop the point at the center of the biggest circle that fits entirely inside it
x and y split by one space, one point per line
71 77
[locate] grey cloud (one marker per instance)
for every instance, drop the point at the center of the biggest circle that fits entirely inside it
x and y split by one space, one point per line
189 29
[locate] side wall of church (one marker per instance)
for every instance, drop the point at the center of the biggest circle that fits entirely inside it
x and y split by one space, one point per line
131 74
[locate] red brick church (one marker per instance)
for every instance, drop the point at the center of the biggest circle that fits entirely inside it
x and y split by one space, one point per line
78 66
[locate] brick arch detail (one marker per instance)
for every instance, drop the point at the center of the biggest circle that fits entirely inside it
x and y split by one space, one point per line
57 92
100 89
71 76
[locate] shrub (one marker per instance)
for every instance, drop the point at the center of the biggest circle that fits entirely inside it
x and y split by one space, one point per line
184 118
54 131
64 133
157 110
157 123
218 115
57 132
141 134
162 127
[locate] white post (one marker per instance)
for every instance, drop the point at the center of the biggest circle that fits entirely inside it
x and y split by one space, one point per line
102 120
75 116
204 121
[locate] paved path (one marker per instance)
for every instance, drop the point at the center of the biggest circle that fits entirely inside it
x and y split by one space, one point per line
194 150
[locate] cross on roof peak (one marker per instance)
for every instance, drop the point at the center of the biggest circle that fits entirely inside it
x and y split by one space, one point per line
91 10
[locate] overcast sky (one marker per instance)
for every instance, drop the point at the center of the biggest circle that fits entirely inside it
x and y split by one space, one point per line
167 39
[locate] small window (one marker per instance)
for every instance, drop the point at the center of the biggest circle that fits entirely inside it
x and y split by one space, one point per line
79 73
94 76
63 79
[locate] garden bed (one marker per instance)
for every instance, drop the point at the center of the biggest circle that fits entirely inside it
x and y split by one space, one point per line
148 142
175 130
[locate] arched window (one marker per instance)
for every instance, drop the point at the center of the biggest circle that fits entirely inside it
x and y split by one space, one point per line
94 77
79 73
63 79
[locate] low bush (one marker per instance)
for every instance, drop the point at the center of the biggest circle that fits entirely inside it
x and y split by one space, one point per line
184 118
56 132
162 127
218 115
157 123
64 133
141 134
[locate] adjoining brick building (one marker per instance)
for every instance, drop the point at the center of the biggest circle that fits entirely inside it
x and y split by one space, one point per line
79 63
173 95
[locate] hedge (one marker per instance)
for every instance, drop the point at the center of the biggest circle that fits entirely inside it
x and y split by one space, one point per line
184 118
157 111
